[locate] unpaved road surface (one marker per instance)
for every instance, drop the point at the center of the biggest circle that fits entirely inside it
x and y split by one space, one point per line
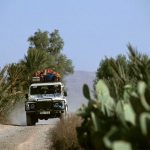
17 137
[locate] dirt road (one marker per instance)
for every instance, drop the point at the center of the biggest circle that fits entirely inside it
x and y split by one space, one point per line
17 137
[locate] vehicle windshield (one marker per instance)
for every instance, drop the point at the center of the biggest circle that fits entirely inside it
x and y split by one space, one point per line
45 89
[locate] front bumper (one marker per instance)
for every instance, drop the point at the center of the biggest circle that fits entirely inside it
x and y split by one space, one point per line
45 106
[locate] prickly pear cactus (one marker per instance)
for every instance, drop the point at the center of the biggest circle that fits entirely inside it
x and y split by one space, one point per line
110 125
97 117
103 96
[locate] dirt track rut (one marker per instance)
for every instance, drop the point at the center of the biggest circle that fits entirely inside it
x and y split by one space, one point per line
13 137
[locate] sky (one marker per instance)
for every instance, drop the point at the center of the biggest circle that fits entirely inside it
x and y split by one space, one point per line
91 29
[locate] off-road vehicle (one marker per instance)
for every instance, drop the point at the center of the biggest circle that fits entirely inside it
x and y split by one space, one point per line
46 99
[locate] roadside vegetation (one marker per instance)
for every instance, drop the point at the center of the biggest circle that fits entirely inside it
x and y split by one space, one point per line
44 51
9 94
119 115
64 135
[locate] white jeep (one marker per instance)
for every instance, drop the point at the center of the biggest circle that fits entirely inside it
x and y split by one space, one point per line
45 100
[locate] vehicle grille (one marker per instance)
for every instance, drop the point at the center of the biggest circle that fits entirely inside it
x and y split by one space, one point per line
44 105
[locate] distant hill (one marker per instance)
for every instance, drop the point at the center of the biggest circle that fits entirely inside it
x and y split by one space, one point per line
74 84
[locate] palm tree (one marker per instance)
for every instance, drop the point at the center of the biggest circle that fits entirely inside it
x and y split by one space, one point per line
139 64
15 77
33 61
9 88
63 65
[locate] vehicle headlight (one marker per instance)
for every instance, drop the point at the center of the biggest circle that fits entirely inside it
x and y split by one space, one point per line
27 106
58 105
30 106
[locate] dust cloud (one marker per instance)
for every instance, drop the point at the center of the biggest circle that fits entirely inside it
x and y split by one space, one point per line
18 116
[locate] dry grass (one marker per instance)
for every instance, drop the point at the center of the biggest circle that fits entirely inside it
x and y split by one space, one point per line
64 136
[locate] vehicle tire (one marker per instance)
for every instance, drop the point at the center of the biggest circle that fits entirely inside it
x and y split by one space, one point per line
30 119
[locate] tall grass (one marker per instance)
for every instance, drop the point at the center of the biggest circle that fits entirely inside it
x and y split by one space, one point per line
64 136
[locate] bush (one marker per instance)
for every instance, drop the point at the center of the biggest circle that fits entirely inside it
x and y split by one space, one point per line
64 135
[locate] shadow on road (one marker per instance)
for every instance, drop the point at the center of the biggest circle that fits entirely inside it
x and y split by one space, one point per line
12 124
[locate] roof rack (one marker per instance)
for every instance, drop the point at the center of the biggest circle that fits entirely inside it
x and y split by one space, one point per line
46 75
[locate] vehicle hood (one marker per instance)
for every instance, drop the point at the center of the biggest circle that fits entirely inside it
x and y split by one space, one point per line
45 97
